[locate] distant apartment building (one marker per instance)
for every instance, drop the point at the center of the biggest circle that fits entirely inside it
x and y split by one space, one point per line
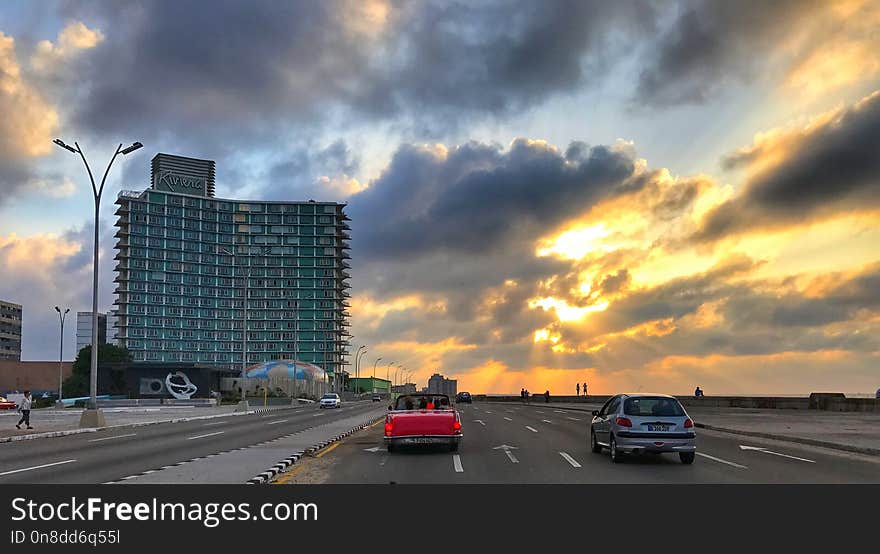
192 269
10 331
438 384
84 329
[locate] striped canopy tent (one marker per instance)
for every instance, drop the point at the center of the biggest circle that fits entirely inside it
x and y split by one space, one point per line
285 369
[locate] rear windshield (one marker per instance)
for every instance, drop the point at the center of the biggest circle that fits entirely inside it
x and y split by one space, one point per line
330 396
422 402
647 406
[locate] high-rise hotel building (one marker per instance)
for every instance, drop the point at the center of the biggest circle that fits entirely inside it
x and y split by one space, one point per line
192 269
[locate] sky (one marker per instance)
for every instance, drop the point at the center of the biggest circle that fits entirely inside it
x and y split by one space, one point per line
637 195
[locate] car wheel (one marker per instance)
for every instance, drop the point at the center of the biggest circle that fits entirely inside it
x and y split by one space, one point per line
453 447
616 455
594 443
687 457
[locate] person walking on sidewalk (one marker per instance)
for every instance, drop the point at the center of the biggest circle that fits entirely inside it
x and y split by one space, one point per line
585 388
577 387
25 410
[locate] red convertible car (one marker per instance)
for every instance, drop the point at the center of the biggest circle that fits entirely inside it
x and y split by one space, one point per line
7 404
422 419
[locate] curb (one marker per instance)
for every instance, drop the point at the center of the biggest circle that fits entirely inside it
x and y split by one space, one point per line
68 432
270 474
788 438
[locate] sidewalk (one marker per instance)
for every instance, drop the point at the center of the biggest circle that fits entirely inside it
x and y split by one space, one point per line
850 431
46 421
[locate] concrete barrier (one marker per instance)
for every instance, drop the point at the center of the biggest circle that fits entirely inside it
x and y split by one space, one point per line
834 402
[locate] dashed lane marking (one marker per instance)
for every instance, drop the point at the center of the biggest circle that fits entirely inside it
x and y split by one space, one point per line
507 418
456 463
204 436
569 459
10 472
713 458
532 429
111 438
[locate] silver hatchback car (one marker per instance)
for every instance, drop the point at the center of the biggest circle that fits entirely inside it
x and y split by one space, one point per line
637 423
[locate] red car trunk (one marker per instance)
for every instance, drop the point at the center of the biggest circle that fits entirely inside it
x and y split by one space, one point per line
422 422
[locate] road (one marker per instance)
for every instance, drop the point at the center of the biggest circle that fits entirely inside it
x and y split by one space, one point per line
549 445
112 454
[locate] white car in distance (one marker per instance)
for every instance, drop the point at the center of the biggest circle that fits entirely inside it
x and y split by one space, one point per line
330 400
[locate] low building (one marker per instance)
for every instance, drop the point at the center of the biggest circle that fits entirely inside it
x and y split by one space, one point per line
438 384
37 377
368 384
10 331
408 388
84 329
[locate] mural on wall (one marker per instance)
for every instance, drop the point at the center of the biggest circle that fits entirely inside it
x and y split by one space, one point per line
179 385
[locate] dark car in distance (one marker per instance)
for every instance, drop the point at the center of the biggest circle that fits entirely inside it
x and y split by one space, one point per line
463 397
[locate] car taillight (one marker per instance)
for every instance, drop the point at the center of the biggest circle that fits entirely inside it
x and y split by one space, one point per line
688 423
388 429
456 426
624 422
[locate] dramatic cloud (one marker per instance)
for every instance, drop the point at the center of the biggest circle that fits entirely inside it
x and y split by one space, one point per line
26 126
504 261
798 175
815 46
288 66
477 198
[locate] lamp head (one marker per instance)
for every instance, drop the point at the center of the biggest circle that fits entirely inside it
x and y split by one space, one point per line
134 146
60 143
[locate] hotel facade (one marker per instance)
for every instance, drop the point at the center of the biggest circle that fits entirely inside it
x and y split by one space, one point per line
226 282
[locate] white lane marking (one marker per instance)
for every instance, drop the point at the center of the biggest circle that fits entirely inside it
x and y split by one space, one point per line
456 462
374 449
277 421
111 438
574 419
765 451
560 412
507 418
721 461
569 459
539 411
509 411
215 423
203 436
532 429
383 460
317 414
507 450
488 412
480 421
546 421
10 472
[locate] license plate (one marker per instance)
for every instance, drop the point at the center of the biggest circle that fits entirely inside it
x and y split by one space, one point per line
419 440
658 427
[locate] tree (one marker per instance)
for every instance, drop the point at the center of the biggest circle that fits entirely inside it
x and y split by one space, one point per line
78 383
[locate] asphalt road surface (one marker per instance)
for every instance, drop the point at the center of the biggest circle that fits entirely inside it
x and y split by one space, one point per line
542 444
113 454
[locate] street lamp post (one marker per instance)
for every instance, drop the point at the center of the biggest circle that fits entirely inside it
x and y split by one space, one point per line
92 416
357 365
61 318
